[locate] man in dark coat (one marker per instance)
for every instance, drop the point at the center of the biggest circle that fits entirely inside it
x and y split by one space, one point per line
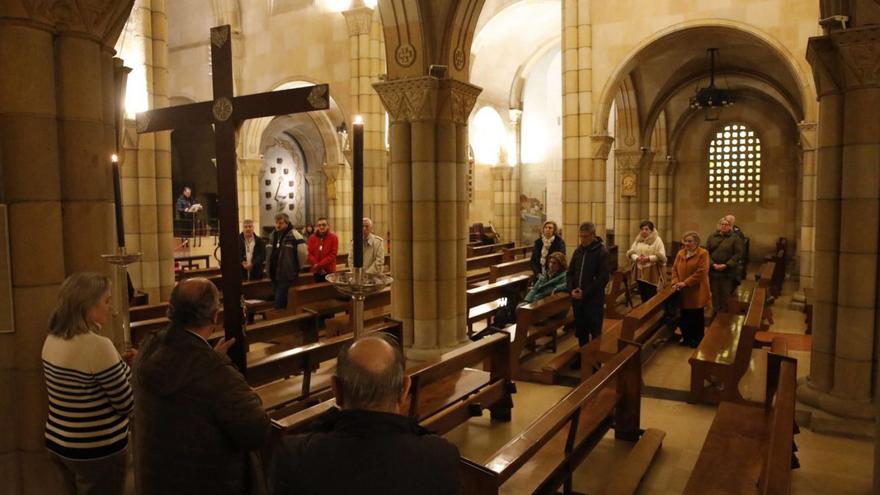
286 253
368 447
253 252
587 277
196 418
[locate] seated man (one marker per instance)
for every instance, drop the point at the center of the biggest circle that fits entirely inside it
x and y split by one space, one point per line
368 447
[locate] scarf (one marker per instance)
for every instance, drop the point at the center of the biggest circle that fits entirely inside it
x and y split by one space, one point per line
545 249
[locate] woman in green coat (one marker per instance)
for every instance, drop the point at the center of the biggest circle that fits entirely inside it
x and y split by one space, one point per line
550 281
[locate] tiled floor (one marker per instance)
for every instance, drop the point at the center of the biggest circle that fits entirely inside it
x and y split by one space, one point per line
829 465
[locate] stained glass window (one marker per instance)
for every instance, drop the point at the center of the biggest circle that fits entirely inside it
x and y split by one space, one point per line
735 166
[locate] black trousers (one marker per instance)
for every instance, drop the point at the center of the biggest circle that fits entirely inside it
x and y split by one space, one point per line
646 290
692 325
587 320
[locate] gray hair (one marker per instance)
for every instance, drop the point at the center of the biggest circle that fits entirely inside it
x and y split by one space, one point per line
368 221
282 216
79 293
193 303
587 227
364 389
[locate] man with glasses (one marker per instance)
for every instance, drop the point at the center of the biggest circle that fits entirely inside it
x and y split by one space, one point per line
323 246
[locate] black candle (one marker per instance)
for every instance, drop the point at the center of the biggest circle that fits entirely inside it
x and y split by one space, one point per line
117 203
357 184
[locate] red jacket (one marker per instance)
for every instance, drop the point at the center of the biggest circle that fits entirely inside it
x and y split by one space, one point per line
323 259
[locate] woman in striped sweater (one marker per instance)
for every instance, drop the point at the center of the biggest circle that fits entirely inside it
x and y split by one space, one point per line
90 396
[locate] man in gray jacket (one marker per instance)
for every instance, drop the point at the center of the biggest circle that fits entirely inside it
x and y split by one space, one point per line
196 419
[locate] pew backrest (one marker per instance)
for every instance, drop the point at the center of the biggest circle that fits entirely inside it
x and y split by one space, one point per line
509 268
496 290
148 312
484 261
513 253
473 251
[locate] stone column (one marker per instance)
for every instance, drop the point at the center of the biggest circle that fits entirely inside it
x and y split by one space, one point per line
56 121
808 203
506 190
583 176
317 182
429 209
847 211
626 223
366 64
659 208
248 177
339 202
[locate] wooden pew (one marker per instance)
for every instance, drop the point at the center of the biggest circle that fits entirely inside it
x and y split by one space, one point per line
445 392
377 306
197 272
542 318
321 297
287 381
188 262
619 287
739 301
723 356
473 251
478 267
520 252
509 268
780 258
749 448
543 458
484 301
646 324
147 312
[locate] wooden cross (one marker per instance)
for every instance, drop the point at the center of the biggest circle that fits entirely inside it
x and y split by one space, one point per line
226 112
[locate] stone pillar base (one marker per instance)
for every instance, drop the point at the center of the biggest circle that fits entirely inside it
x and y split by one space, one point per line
798 300
848 410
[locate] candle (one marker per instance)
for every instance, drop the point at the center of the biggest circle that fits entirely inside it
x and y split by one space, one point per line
357 183
117 203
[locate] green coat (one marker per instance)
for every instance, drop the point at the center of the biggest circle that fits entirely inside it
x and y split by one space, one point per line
547 285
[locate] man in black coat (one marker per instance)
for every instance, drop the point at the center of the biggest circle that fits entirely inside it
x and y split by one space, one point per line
253 252
368 447
587 277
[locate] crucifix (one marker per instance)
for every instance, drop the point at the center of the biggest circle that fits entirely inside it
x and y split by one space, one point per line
226 112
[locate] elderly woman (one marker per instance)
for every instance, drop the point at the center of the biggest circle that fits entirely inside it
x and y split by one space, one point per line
90 397
551 280
549 242
725 252
648 255
690 277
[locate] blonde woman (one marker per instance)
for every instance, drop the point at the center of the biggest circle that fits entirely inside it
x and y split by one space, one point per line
90 397
549 242
648 255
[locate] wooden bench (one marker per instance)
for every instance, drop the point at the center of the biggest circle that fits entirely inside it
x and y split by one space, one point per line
749 448
292 380
542 318
647 324
147 312
191 261
519 252
723 356
543 458
508 268
739 301
197 272
780 258
484 301
473 251
619 287
445 392
478 267
376 307
321 297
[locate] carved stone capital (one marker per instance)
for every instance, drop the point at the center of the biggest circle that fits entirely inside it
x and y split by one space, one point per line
807 134
250 166
846 59
456 100
601 145
358 20
627 159
100 19
411 99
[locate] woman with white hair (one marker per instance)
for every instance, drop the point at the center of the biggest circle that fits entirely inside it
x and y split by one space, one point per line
648 255
90 397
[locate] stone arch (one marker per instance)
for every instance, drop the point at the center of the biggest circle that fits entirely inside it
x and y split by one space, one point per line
805 88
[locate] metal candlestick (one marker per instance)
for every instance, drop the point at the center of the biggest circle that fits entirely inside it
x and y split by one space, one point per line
358 285
120 261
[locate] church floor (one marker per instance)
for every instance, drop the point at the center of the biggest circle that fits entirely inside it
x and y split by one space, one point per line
829 464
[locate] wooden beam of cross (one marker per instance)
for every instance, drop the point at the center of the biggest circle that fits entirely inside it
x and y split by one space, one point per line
226 112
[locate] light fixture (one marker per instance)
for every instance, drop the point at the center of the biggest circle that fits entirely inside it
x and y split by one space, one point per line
710 98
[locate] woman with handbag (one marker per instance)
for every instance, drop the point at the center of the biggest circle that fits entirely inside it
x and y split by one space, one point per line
648 255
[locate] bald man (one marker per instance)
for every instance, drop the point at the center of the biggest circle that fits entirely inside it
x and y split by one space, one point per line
368 447
196 418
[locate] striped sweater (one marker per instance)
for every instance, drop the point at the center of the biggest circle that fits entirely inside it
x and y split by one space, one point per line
90 397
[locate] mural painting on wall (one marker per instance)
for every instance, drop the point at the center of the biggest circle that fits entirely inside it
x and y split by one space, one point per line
533 215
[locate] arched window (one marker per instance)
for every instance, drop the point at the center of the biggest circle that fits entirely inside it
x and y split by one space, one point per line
735 166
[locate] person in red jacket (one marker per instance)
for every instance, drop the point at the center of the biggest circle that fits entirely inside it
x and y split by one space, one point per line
323 246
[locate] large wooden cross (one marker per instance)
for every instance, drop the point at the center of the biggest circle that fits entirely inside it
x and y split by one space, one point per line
226 112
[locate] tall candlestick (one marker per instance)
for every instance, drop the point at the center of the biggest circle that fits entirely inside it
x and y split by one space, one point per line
117 203
357 183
